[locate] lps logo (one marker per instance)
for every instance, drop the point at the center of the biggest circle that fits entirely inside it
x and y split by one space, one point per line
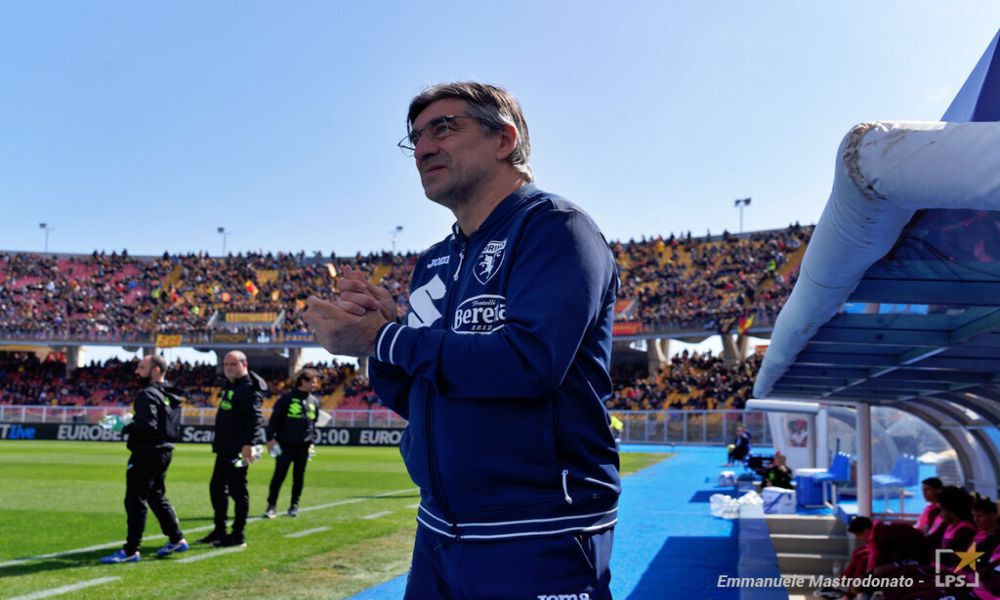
489 261
480 314
955 578
580 596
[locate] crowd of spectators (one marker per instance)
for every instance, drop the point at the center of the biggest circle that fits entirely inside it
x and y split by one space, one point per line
711 283
103 297
97 297
27 380
715 283
687 381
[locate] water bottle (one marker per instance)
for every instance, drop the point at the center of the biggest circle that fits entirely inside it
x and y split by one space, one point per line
124 421
115 422
312 451
255 450
275 451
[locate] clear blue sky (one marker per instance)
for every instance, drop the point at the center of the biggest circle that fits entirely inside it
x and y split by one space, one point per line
146 125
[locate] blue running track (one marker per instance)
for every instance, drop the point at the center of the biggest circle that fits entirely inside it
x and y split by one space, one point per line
667 545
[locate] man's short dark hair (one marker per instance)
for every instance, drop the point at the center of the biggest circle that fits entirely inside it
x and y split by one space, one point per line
491 105
859 524
933 482
157 360
303 375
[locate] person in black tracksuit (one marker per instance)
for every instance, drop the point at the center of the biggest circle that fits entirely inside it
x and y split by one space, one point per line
155 425
292 428
237 429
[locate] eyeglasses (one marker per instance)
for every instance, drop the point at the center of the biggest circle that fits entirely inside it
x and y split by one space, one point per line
437 130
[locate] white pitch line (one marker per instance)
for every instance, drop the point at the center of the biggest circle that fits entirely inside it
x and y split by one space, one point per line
299 534
198 557
396 492
378 514
18 561
159 536
356 500
331 504
21 561
417 505
67 588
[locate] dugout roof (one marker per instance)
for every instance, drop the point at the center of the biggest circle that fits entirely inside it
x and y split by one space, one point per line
898 301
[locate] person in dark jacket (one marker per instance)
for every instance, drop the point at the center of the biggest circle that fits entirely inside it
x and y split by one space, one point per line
157 419
740 448
237 430
501 366
292 429
778 474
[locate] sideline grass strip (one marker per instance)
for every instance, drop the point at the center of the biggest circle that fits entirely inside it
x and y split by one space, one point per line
67 588
69 495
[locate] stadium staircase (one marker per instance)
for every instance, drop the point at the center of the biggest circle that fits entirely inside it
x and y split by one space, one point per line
808 545
333 400
380 272
788 269
172 279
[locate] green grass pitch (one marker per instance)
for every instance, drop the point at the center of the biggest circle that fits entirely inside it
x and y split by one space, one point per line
356 529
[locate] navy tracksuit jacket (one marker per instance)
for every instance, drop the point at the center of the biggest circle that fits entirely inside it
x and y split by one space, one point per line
502 368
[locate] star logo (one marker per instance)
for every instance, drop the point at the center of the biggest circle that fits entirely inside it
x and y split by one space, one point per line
968 558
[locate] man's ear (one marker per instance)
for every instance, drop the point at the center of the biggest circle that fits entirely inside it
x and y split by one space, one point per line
507 137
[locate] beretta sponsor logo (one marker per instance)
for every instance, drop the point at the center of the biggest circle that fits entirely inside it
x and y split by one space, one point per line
480 314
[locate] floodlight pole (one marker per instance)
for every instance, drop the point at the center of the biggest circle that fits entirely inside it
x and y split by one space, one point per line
740 203
394 232
225 234
45 227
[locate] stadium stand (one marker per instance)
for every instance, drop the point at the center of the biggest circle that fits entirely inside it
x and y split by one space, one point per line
27 380
682 283
688 381
720 283
725 283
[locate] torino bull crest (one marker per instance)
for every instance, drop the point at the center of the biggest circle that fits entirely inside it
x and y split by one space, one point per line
489 261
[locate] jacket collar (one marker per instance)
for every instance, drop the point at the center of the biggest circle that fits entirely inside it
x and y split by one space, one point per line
507 206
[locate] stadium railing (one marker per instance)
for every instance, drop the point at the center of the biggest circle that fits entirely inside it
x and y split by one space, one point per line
691 426
193 415
639 427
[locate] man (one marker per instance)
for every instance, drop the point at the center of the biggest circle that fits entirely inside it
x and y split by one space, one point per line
501 366
778 474
155 425
237 429
740 448
292 429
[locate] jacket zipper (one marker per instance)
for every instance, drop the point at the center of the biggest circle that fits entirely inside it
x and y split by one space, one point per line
429 413
566 497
